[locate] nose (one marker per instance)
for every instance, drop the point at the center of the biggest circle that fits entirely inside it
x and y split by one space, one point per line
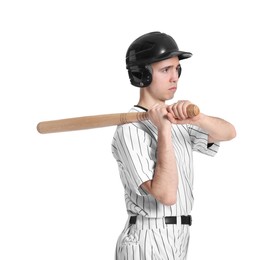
174 75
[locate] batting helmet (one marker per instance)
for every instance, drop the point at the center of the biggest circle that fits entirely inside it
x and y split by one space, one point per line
147 49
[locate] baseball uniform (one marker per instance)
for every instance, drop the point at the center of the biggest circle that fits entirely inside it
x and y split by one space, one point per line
134 147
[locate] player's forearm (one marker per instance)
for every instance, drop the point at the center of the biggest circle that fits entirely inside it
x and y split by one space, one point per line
218 129
165 182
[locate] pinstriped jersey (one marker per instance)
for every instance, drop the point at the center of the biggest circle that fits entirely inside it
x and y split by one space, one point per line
134 147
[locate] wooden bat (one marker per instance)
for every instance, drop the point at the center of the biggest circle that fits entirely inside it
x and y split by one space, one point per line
88 122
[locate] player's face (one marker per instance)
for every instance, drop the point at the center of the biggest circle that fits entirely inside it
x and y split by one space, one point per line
165 79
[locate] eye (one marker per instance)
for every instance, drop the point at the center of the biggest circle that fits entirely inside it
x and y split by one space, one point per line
165 70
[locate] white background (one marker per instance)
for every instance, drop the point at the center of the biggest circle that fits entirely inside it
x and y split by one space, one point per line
60 194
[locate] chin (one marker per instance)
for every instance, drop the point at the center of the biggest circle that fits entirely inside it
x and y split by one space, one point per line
169 97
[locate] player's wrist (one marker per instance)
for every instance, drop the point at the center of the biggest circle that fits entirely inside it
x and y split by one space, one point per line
165 130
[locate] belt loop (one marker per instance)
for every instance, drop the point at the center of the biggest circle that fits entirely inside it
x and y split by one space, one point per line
133 220
187 220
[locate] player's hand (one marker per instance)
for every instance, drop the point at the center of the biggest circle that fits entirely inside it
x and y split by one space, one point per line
158 116
177 113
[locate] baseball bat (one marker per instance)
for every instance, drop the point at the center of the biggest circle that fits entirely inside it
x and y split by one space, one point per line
88 122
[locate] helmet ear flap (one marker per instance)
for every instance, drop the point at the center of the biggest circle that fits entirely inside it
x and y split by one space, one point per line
179 71
140 76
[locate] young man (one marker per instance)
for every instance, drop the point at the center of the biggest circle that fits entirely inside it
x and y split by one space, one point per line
155 156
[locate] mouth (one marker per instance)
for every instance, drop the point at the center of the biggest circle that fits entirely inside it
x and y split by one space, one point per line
173 88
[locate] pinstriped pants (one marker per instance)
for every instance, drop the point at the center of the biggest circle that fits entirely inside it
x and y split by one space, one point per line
152 239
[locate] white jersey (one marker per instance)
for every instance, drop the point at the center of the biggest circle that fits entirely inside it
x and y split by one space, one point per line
134 147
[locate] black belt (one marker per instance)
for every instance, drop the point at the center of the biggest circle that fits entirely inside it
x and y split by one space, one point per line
185 220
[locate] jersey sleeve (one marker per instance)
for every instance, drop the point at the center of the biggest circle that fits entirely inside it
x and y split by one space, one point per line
199 141
135 153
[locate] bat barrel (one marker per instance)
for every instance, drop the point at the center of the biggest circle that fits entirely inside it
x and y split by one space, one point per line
88 122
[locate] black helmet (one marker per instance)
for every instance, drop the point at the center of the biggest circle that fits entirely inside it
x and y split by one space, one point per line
147 49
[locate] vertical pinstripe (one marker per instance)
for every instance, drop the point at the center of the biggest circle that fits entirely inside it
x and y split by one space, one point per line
155 241
134 147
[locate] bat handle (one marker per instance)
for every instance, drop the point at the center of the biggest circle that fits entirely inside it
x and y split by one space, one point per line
192 111
133 117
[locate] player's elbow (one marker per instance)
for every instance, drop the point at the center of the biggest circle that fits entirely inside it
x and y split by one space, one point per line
164 195
233 133
167 200
230 134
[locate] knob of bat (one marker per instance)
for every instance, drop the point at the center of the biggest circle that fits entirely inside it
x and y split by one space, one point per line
192 110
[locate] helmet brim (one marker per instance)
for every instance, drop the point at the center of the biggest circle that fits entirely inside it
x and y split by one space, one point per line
181 55
184 55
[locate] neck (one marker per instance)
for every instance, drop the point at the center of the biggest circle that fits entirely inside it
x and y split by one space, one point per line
147 101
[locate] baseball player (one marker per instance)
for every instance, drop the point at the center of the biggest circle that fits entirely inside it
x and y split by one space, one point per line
155 158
